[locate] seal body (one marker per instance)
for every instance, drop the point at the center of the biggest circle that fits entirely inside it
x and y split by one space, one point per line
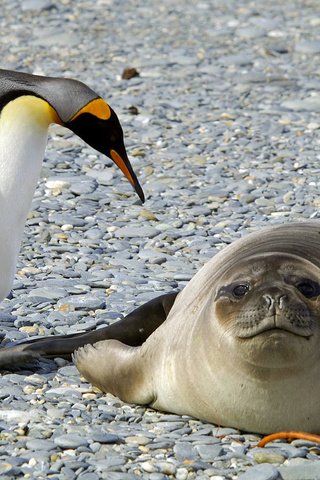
240 346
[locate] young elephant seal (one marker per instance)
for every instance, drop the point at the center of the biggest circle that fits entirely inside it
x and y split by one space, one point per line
239 346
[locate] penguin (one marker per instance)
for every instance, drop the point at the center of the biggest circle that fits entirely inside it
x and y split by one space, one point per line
28 105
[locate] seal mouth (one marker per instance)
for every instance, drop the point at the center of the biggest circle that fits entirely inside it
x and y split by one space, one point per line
281 330
276 331
277 326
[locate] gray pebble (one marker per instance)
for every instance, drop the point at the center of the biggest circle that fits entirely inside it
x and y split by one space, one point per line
110 462
308 46
48 293
70 440
88 476
261 472
139 232
209 452
105 437
83 302
185 451
119 476
306 471
84 187
307 104
37 5
40 444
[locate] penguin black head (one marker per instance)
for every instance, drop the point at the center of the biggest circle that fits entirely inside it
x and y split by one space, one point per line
98 125
78 108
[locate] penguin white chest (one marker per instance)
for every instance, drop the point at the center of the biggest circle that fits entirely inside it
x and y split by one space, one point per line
24 126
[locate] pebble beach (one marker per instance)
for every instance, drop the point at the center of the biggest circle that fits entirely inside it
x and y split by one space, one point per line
221 116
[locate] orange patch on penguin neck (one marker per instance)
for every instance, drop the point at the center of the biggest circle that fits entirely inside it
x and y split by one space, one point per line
97 107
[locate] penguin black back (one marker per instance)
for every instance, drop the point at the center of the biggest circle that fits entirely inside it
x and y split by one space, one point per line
65 95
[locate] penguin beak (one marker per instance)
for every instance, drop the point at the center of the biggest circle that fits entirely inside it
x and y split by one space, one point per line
123 163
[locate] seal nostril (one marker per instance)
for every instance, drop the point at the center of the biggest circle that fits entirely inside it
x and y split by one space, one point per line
269 300
275 300
281 300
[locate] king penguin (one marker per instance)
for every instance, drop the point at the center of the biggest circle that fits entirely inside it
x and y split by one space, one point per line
28 105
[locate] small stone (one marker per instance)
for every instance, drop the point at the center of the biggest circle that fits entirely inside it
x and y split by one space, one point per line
261 472
139 232
308 47
133 110
268 458
40 444
307 104
48 293
185 451
69 371
107 438
167 468
81 302
83 187
57 184
7 470
110 462
129 72
55 413
70 441
103 177
306 471
89 396
15 416
138 152
63 391
65 307
29 389
148 467
139 440
182 473
37 5
30 330
209 452
88 476
144 213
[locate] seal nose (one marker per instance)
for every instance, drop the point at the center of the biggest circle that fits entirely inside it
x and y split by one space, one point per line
274 300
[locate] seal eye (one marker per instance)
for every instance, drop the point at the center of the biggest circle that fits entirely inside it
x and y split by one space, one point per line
240 290
308 288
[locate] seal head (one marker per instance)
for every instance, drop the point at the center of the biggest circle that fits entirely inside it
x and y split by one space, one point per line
269 307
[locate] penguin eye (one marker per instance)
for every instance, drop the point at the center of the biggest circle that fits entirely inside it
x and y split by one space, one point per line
308 288
240 290
113 138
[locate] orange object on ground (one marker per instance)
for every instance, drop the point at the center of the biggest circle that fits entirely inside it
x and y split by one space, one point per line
311 437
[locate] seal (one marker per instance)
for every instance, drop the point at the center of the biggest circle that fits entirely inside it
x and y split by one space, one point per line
239 346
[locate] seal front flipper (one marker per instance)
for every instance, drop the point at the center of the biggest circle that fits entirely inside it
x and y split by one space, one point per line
11 357
132 330
118 369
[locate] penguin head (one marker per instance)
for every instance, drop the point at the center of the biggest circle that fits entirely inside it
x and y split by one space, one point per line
78 108
98 125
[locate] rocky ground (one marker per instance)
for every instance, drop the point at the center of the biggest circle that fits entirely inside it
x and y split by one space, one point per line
222 127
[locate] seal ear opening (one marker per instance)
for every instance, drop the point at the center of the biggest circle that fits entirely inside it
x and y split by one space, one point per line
115 368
